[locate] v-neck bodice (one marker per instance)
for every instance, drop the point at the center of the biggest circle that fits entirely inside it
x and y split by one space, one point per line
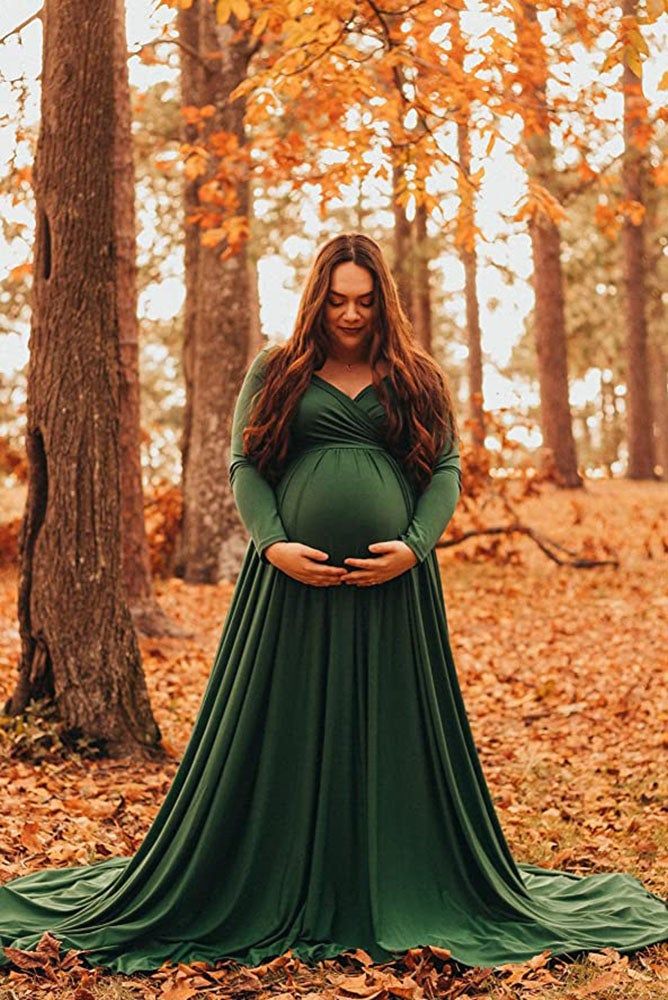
341 487
357 395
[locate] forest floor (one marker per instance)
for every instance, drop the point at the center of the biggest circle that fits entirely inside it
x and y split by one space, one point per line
564 675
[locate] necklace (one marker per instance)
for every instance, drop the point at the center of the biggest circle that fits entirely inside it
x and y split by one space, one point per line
349 364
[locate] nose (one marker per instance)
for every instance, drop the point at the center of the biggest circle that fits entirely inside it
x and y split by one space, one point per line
351 311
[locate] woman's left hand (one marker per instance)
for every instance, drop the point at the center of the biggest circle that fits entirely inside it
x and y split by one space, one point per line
394 558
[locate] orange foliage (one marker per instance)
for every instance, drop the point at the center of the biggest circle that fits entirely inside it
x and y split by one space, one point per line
352 78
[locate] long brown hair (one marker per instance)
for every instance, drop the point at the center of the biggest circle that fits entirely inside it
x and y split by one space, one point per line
417 429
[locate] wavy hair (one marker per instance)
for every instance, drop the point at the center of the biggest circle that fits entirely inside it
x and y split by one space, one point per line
417 429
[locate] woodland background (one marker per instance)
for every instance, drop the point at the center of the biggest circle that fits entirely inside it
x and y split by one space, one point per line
167 173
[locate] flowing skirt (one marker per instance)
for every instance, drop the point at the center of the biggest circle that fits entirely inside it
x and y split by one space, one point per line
330 798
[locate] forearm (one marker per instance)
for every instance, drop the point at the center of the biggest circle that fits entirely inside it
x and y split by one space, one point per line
256 503
435 506
253 494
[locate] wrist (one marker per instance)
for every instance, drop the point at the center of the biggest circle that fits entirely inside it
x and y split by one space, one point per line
272 548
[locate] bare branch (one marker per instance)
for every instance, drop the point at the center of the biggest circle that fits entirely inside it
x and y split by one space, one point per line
544 544
37 16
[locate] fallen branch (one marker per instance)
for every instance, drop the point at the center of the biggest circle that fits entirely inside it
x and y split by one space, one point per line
546 545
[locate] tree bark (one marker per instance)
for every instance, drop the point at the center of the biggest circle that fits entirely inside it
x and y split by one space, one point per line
78 644
638 392
148 617
549 313
214 537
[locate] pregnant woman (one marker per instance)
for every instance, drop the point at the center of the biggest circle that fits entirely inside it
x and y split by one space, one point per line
330 796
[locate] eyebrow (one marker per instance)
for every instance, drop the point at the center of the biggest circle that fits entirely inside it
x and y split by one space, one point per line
341 294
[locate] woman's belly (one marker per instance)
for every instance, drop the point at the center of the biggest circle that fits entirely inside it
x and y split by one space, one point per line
340 499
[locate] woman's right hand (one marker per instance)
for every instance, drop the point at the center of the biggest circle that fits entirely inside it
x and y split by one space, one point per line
303 563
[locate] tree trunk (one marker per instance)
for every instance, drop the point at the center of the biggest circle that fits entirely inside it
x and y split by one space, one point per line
470 261
403 255
422 287
609 430
638 397
549 314
255 338
78 643
146 612
192 90
214 537
658 363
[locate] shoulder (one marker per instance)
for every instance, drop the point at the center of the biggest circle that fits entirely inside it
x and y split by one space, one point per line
257 366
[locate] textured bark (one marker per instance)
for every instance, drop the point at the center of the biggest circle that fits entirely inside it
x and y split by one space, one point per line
213 538
638 393
473 334
147 614
549 313
78 643
422 288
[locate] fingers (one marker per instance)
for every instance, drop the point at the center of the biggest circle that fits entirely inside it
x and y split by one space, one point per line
314 553
362 563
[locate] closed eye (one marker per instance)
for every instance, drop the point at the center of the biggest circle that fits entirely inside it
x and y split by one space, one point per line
333 302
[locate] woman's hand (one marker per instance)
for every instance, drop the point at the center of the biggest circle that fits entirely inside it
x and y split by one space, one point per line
301 563
394 558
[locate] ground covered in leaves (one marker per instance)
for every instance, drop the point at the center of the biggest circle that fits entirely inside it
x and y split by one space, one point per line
564 675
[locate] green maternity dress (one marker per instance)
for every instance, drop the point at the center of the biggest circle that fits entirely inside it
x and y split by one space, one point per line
330 796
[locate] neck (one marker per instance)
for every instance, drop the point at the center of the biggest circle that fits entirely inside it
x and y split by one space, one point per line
343 357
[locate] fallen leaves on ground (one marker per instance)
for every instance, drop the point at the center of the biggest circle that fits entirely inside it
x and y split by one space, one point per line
564 676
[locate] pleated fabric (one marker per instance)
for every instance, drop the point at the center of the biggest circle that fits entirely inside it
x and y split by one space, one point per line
330 796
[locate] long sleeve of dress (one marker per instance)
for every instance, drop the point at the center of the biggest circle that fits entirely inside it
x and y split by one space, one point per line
253 494
435 505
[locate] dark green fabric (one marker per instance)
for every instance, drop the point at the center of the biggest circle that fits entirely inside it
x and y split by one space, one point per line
330 796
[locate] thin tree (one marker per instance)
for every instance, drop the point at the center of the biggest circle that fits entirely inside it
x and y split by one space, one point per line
192 91
213 539
403 256
638 390
78 643
549 324
147 614
466 240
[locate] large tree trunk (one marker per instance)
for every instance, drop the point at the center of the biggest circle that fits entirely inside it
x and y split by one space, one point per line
549 313
192 90
146 612
78 642
214 538
638 393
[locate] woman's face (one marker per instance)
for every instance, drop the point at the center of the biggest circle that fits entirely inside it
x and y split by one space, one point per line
349 306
